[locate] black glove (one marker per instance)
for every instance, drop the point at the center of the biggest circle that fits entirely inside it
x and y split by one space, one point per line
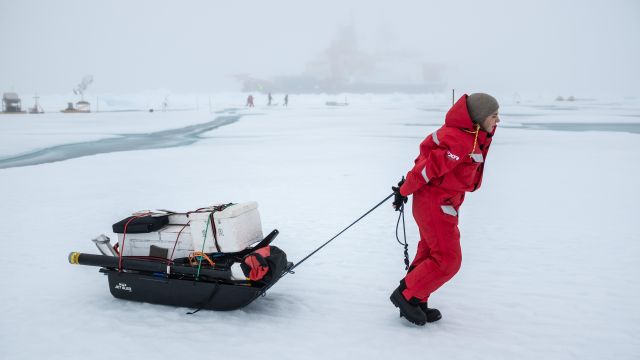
399 199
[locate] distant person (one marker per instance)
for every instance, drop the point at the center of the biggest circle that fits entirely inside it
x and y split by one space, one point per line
286 100
450 163
250 101
270 98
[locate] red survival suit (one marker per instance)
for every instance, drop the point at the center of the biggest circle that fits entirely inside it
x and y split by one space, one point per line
450 163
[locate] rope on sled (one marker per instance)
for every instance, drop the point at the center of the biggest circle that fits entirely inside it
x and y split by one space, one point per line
124 236
177 239
215 237
204 240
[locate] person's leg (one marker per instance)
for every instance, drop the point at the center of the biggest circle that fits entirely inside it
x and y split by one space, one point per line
444 260
423 252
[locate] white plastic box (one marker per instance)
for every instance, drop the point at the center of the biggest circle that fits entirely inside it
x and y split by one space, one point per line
236 227
140 244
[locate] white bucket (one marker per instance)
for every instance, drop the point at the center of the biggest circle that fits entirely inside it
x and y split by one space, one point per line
236 227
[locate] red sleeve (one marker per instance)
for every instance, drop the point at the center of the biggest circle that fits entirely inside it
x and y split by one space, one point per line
438 158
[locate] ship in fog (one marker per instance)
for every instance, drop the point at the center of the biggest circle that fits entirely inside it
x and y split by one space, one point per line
344 68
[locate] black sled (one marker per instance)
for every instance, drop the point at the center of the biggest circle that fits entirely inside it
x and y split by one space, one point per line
183 284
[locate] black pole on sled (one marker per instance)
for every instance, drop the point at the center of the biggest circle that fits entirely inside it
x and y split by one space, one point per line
144 265
340 233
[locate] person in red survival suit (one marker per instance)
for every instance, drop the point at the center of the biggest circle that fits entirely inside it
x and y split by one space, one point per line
451 162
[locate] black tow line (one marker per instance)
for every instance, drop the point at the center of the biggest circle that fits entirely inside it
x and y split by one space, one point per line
401 215
404 233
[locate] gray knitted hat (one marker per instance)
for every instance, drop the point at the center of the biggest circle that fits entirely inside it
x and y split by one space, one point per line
480 106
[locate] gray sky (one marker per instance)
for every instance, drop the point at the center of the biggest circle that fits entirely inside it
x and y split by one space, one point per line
585 48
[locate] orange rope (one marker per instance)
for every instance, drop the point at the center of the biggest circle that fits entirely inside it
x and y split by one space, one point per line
475 140
193 258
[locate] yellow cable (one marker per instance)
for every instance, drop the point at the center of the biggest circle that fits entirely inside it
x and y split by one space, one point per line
475 140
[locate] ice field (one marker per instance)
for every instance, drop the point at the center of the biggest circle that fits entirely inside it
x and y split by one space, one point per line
550 248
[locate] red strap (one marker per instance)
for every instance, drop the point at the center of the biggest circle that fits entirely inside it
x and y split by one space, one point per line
124 236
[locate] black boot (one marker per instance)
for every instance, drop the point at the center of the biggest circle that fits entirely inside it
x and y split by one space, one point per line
432 314
410 310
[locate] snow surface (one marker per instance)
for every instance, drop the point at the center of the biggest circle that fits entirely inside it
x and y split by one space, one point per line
550 265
